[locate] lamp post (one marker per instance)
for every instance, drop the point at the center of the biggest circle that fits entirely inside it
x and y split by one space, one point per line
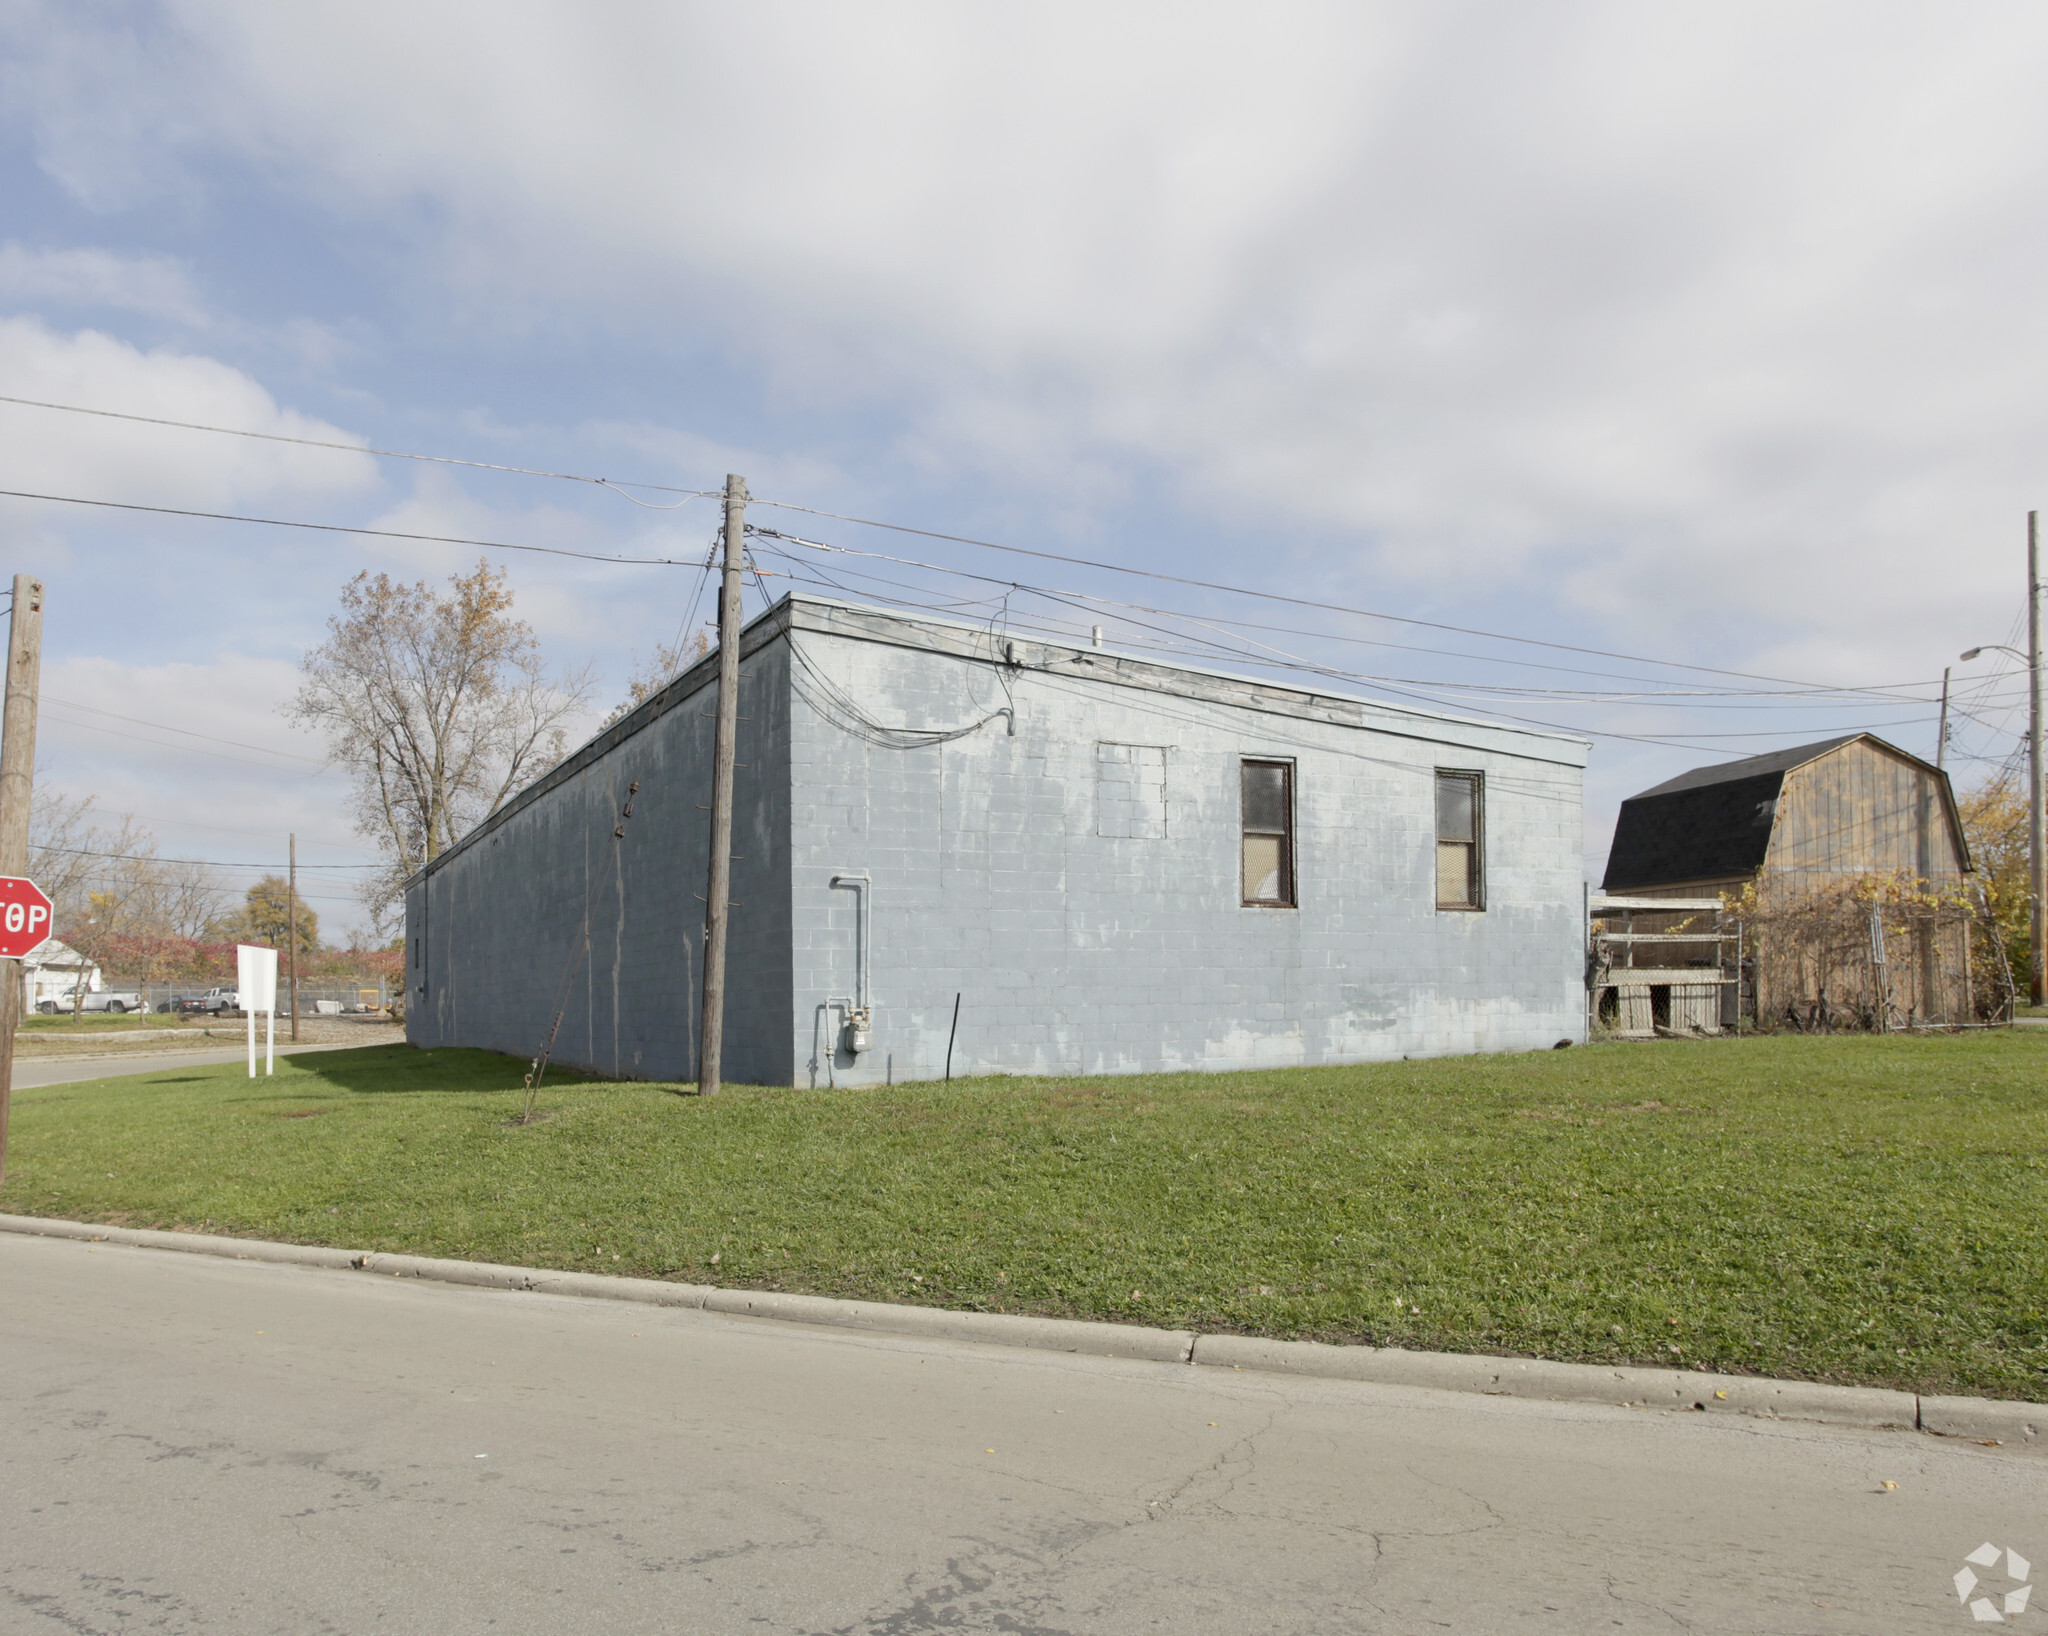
2037 831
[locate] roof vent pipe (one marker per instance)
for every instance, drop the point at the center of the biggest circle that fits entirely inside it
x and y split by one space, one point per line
1096 631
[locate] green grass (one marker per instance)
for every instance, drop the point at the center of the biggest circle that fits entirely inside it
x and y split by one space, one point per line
64 1022
1851 1209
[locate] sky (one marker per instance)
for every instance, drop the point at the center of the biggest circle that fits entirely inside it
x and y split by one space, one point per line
1703 343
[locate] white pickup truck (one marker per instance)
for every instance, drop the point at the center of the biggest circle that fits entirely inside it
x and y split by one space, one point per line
114 1000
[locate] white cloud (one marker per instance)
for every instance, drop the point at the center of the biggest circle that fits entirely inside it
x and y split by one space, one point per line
93 457
1728 296
1710 329
154 285
197 753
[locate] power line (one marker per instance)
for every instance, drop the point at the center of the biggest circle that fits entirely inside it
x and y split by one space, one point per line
341 528
1269 596
1410 693
865 522
229 829
201 863
196 750
1208 648
165 726
356 448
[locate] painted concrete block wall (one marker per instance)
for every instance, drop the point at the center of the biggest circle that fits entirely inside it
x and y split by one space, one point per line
497 927
1087 931
1067 862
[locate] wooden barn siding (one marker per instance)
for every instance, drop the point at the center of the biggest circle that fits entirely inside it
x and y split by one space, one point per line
1857 812
1862 811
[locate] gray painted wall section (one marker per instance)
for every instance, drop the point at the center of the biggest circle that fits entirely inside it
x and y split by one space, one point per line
1074 880
494 926
1079 951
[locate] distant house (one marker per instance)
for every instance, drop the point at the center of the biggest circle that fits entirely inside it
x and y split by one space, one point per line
1844 862
54 974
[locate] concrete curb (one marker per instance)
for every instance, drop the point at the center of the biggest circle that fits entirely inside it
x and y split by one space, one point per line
1984 1419
1573 1382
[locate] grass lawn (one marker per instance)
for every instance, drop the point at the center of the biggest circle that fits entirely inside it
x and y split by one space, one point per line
96 1021
1851 1209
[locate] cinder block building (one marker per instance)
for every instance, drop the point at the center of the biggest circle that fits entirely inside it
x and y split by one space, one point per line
1108 863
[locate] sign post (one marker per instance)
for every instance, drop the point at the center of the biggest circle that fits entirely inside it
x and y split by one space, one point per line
256 988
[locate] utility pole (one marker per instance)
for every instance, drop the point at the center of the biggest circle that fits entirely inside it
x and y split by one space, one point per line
17 781
1941 733
2037 833
718 890
291 935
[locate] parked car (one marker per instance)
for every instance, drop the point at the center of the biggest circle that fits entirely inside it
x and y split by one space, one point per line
115 1000
183 1005
218 1000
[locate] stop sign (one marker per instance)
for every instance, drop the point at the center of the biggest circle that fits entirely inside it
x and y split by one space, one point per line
24 916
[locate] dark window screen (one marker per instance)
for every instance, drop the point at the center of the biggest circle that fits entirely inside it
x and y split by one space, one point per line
1267 804
1459 816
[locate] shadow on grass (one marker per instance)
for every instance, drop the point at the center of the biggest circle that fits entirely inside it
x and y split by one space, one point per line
386 1070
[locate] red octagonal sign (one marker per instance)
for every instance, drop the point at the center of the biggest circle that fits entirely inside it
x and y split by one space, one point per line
24 916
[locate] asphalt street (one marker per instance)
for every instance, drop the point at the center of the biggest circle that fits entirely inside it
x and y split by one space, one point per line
33 1071
190 1444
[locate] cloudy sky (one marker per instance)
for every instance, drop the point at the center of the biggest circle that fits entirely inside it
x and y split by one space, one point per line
1710 338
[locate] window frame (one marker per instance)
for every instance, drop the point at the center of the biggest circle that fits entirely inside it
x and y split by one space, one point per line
1290 882
1476 901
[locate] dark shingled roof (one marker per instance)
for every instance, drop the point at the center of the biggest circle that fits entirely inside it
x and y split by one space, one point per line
1707 824
1727 772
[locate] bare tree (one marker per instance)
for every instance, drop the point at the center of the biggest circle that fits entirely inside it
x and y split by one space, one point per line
66 849
77 860
184 899
441 707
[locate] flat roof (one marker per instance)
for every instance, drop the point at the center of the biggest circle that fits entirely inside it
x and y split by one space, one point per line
961 639
1272 693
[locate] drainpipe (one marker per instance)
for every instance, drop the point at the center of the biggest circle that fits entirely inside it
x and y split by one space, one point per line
859 1021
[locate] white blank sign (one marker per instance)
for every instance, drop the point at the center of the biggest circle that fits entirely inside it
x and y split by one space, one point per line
256 977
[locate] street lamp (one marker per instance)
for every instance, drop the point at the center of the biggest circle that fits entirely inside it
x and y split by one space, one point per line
2037 829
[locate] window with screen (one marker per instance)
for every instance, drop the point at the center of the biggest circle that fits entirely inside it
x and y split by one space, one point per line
1460 821
1267 797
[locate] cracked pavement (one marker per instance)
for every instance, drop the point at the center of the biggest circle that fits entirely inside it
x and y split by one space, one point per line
192 1444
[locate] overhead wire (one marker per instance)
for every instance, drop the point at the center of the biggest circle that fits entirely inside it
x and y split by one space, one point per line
1410 693
140 721
618 486
834 703
1811 693
201 863
1269 596
343 528
363 448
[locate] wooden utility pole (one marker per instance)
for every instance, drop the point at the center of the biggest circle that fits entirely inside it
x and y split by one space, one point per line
291 935
2037 831
718 890
17 784
1941 732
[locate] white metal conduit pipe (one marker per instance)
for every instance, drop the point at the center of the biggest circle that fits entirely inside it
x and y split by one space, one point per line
859 1024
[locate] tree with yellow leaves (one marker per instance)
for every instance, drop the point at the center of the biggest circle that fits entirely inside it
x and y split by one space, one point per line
1994 818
